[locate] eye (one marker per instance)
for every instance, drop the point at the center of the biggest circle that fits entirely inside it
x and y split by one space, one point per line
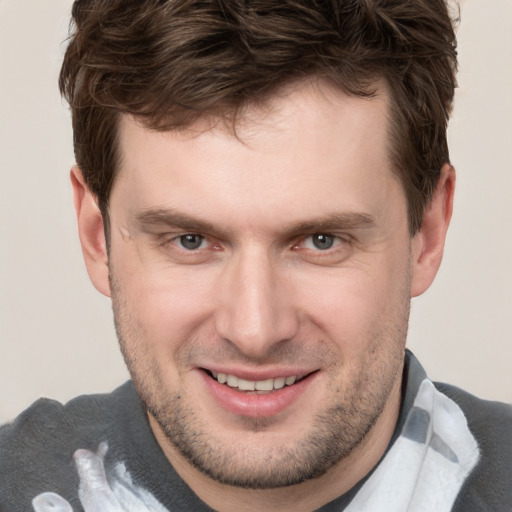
191 241
325 248
320 241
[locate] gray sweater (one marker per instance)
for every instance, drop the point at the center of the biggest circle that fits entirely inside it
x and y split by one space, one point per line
98 450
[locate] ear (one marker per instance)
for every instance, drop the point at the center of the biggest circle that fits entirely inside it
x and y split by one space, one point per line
428 243
91 232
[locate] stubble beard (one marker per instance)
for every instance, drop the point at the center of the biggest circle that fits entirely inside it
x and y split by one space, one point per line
334 434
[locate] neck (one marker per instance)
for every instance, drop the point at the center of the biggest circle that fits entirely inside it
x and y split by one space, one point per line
304 497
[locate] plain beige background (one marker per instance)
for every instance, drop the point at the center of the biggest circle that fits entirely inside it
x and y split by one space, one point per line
56 332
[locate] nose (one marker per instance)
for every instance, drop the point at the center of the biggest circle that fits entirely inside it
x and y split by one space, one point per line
255 305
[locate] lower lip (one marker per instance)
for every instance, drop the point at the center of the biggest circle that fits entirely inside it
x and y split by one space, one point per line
255 405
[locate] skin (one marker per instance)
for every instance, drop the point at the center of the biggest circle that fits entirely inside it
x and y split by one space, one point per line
257 297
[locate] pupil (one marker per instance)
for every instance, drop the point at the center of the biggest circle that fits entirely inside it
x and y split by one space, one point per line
323 241
191 241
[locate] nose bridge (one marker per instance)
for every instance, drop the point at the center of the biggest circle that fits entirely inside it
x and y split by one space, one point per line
255 312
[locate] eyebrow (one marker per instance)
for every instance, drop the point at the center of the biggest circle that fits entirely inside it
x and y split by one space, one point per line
336 221
169 217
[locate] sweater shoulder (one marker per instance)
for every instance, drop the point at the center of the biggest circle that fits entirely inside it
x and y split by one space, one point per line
37 447
489 485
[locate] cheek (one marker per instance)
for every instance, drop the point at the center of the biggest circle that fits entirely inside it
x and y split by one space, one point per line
354 306
168 304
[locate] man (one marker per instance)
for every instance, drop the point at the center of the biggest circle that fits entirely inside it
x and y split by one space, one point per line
261 187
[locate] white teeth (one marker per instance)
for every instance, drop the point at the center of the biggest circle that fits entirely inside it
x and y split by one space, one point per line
232 381
279 382
264 385
250 385
246 385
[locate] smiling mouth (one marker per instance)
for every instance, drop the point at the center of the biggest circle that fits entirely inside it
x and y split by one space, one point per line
256 386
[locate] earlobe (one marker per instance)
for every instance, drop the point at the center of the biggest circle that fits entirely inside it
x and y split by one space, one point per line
428 243
91 232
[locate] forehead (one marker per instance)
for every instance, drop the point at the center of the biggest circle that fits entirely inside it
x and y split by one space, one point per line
309 140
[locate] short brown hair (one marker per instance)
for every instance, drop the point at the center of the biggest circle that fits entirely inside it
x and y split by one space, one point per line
169 62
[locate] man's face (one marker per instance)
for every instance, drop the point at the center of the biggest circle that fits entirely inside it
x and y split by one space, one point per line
261 283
